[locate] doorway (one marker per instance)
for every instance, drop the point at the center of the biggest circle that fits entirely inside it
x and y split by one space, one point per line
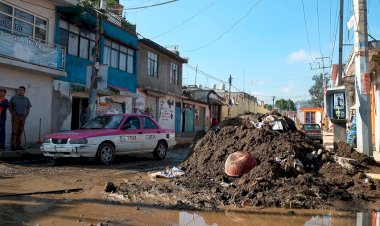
78 104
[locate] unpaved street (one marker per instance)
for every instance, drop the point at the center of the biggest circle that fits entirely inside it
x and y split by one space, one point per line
86 178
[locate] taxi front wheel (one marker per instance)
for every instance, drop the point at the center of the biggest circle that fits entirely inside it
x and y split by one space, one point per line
106 153
160 151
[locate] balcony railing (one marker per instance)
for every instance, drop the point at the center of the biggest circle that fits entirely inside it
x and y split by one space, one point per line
32 50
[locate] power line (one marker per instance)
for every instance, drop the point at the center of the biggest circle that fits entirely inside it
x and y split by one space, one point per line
153 5
185 21
336 31
307 33
319 31
204 73
229 29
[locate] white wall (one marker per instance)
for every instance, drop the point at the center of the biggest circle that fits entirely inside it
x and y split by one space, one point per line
64 88
39 92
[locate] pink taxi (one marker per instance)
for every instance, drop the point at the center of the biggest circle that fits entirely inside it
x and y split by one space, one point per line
108 135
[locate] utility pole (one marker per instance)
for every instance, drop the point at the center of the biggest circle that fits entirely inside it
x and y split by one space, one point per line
95 68
273 102
362 90
196 74
322 58
340 127
229 96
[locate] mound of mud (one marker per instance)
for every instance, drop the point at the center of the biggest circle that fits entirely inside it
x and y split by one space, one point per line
292 171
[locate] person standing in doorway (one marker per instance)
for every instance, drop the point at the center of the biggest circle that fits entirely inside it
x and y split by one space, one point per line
3 117
19 106
85 116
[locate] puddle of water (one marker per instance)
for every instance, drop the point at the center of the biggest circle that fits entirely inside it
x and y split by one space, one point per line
47 210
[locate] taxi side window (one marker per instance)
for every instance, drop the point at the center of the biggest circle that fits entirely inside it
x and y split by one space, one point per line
132 123
148 123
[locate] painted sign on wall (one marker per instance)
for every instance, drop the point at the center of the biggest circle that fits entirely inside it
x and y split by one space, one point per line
32 51
166 113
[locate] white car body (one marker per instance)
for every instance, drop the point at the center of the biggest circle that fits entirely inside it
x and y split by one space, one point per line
86 142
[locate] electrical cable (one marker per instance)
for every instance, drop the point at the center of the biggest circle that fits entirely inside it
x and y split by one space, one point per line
204 73
319 31
307 33
336 31
185 21
229 29
153 5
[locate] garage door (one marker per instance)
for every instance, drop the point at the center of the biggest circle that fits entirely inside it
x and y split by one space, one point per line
8 123
151 102
117 106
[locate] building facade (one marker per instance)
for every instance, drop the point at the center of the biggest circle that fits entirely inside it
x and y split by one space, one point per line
29 58
160 84
310 115
118 54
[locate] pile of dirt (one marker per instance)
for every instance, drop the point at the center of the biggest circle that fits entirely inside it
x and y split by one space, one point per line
292 171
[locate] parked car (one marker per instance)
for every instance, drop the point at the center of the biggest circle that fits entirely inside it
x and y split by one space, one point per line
108 135
313 130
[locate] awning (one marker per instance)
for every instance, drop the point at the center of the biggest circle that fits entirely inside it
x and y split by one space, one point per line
122 91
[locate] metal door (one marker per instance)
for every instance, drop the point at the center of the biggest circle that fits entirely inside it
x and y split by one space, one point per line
202 117
178 111
151 103
189 121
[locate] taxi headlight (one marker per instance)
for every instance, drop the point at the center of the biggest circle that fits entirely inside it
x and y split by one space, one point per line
78 141
47 141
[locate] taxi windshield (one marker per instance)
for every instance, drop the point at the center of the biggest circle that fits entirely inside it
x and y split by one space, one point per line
104 122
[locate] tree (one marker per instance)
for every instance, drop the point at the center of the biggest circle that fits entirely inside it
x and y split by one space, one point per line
268 106
316 91
283 104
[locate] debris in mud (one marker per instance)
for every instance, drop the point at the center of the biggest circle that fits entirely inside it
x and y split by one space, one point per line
292 171
110 187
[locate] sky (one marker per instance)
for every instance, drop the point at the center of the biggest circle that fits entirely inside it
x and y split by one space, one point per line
269 47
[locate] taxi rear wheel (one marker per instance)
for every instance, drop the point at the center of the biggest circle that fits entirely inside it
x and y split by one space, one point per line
160 151
106 153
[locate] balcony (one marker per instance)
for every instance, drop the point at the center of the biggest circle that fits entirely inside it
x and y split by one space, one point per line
31 53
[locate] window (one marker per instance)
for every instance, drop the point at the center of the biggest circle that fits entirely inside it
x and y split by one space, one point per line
18 21
132 123
78 42
152 64
310 117
118 56
174 75
148 123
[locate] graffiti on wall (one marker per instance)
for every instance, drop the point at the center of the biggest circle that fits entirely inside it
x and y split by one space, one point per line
167 113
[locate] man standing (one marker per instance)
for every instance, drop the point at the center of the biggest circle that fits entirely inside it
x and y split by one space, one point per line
19 106
3 116
84 116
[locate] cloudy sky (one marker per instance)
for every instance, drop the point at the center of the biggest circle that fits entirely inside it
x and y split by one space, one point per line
267 46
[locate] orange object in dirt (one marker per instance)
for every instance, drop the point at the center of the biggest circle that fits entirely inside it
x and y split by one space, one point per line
239 163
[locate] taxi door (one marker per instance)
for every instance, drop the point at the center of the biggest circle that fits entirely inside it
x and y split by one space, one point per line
152 133
131 137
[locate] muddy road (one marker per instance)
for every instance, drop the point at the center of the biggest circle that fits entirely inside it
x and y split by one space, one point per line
42 192
39 191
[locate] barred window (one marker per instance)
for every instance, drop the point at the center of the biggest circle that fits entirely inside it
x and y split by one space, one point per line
21 22
174 75
119 56
152 64
78 42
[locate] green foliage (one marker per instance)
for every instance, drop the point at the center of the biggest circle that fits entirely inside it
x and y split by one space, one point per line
283 104
316 91
268 106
